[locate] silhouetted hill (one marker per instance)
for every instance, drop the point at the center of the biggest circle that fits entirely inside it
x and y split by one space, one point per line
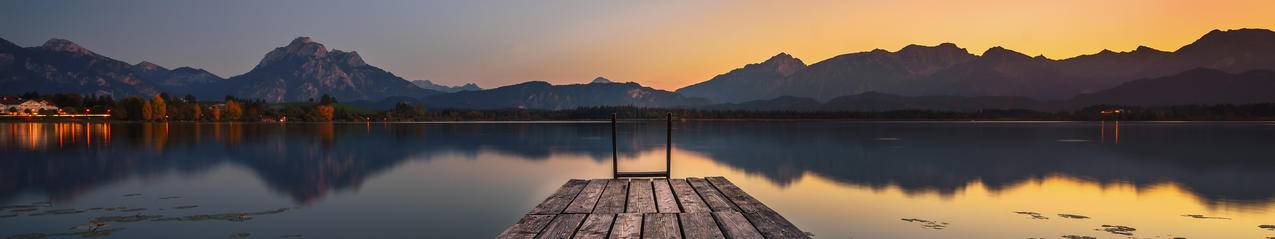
542 95
182 81
63 66
876 102
946 69
1200 86
305 69
429 85
747 82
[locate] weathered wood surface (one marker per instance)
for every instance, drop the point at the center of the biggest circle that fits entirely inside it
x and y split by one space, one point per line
665 202
588 197
527 227
613 197
563 226
559 200
596 226
699 225
735 226
767 221
661 226
711 207
687 197
627 225
641 198
711 196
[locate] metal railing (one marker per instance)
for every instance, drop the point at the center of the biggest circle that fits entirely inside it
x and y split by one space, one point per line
668 154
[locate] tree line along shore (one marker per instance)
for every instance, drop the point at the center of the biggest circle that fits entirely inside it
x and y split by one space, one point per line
187 108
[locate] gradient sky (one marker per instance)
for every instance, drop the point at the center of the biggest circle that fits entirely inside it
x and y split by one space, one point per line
664 44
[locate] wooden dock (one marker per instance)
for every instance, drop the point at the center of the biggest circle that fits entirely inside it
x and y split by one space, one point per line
711 207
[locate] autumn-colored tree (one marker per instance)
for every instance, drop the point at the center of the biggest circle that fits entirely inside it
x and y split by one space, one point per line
195 112
214 114
148 112
326 111
160 111
233 110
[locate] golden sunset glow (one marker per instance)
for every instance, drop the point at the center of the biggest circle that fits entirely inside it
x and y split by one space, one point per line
679 46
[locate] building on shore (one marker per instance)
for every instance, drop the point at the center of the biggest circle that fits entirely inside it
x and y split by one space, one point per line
10 105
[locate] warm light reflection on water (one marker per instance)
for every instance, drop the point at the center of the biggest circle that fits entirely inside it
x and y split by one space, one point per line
833 179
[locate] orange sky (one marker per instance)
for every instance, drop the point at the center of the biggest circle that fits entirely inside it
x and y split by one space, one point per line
665 44
669 47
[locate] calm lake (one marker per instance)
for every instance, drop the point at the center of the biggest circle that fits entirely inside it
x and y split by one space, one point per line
471 180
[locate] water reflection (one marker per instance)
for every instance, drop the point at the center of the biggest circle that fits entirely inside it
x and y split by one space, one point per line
1219 166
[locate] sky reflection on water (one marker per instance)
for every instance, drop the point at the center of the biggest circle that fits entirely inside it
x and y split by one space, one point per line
834 179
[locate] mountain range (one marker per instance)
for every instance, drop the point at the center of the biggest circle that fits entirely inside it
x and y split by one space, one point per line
1232 66
947 69
430 85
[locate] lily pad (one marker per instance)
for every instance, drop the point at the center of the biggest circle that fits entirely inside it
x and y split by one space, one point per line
1034 215
1073 216
1267 227
133 210
1198 216
133 218
927 224
1118 229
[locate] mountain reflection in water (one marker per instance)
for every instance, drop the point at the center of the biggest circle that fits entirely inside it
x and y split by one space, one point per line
1222 165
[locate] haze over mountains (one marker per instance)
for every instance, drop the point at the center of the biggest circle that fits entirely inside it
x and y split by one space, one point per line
1233 66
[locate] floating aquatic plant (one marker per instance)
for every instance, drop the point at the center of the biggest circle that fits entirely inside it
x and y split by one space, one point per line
927 224
1034 215
1118 229
1198 216
1073 216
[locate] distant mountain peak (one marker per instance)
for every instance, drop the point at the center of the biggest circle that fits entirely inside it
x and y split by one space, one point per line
301 41
601 80
998 52
430 85
946 46
1146 49
300 47
146 65
63 45
782 56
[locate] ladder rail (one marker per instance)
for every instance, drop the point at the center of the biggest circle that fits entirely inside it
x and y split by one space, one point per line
668 154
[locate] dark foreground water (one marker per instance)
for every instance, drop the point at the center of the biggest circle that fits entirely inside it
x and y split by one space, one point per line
471 180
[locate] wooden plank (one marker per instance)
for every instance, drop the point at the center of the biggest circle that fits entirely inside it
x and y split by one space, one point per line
559 200
687 197
700 225
641 198
665 202
562 227
595 226
527 227
588 197
735 226
613 197
627 226
769 222
711 196
661 226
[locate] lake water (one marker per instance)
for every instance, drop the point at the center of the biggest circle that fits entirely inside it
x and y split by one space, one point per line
471 180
